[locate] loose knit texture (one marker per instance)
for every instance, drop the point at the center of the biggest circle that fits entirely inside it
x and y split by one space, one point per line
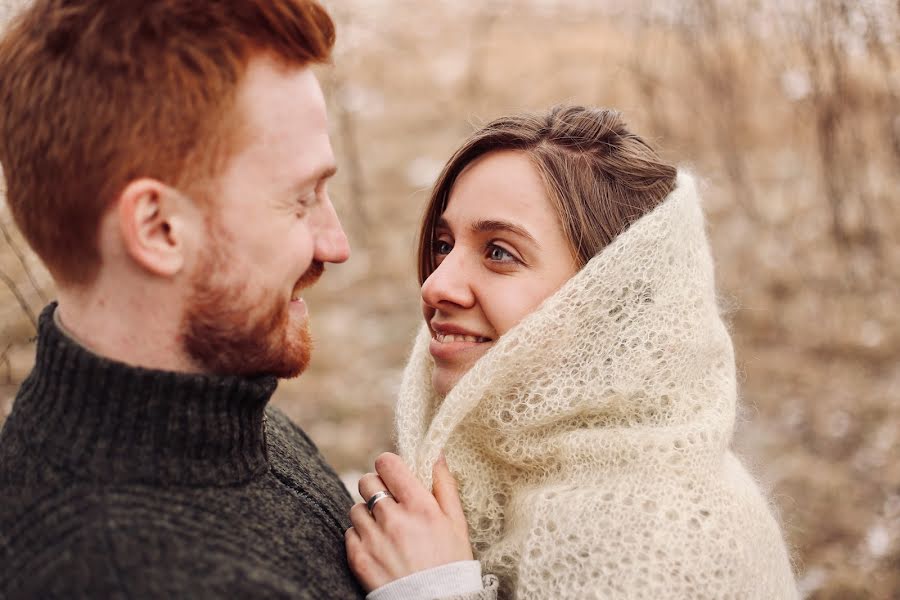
592 442
121 482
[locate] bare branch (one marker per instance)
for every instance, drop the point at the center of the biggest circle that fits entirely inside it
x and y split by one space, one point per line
6 279
353 164
21 257
4 359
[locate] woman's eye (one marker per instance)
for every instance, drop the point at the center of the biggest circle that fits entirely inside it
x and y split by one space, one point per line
498 254
442 247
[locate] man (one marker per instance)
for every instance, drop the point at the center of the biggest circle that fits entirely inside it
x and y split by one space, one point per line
168 161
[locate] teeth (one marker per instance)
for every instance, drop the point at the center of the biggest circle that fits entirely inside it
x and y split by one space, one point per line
450 338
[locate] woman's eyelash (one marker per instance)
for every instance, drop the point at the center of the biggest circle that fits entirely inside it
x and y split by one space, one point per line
506 255
493 252
441 247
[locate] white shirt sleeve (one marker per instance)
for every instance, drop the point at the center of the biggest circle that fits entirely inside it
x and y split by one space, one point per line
452 579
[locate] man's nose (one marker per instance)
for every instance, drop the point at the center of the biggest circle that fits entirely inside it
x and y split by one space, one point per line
332 245
449 283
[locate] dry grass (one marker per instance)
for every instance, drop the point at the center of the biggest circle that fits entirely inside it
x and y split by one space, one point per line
790 114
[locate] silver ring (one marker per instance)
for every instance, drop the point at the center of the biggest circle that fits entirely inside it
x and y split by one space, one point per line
376 498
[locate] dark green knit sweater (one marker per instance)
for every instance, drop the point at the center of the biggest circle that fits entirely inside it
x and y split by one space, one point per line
120 482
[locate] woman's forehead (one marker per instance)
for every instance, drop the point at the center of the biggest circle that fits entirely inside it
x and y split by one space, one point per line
499 187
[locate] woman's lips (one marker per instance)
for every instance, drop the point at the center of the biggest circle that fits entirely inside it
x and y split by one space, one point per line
449 347
448 338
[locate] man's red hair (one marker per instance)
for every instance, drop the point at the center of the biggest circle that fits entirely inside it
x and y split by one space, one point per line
97 93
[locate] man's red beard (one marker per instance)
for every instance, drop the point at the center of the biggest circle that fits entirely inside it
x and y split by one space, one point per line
227 330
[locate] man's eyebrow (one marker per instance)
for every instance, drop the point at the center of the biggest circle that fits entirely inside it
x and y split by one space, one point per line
314 177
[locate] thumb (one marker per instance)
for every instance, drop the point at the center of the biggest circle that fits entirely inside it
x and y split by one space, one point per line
446 492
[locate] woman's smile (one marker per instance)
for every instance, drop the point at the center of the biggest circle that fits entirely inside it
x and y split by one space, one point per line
451 343
498 251
450 338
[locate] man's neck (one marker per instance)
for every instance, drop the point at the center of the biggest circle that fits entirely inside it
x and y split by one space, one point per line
138 336
57 320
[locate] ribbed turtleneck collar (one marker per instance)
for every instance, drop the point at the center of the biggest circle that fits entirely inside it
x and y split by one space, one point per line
114 422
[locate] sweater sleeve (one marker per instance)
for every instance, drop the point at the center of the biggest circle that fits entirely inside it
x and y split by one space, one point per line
455 581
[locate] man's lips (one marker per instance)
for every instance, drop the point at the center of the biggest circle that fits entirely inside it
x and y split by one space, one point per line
311 276
299 306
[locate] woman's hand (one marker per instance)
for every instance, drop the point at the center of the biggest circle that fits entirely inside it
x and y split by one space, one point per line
410 532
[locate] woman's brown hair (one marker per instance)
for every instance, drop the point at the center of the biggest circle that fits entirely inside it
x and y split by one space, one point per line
599 176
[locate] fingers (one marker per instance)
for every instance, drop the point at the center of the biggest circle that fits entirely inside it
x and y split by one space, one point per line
446 492
418 531
364 523
400 480
369 550
369 485
369 572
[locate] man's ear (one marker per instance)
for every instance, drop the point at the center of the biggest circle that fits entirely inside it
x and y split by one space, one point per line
154 220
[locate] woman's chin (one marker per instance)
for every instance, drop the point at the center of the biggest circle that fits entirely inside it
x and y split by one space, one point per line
443 380
452 361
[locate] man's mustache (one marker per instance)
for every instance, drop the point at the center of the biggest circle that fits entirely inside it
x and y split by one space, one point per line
312 274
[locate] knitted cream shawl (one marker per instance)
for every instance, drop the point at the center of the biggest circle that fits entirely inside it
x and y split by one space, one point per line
592 442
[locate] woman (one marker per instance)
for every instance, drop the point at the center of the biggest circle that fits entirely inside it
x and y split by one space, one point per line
576 373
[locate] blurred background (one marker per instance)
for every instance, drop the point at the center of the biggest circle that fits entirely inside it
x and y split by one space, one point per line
789 112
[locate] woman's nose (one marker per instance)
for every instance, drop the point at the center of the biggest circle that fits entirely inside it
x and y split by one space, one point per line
449 283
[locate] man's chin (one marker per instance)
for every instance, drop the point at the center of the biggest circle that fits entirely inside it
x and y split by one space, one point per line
288 357
222 349
228 331
295 358
289 372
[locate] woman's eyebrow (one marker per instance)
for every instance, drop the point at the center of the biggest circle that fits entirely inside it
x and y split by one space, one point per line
494 225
